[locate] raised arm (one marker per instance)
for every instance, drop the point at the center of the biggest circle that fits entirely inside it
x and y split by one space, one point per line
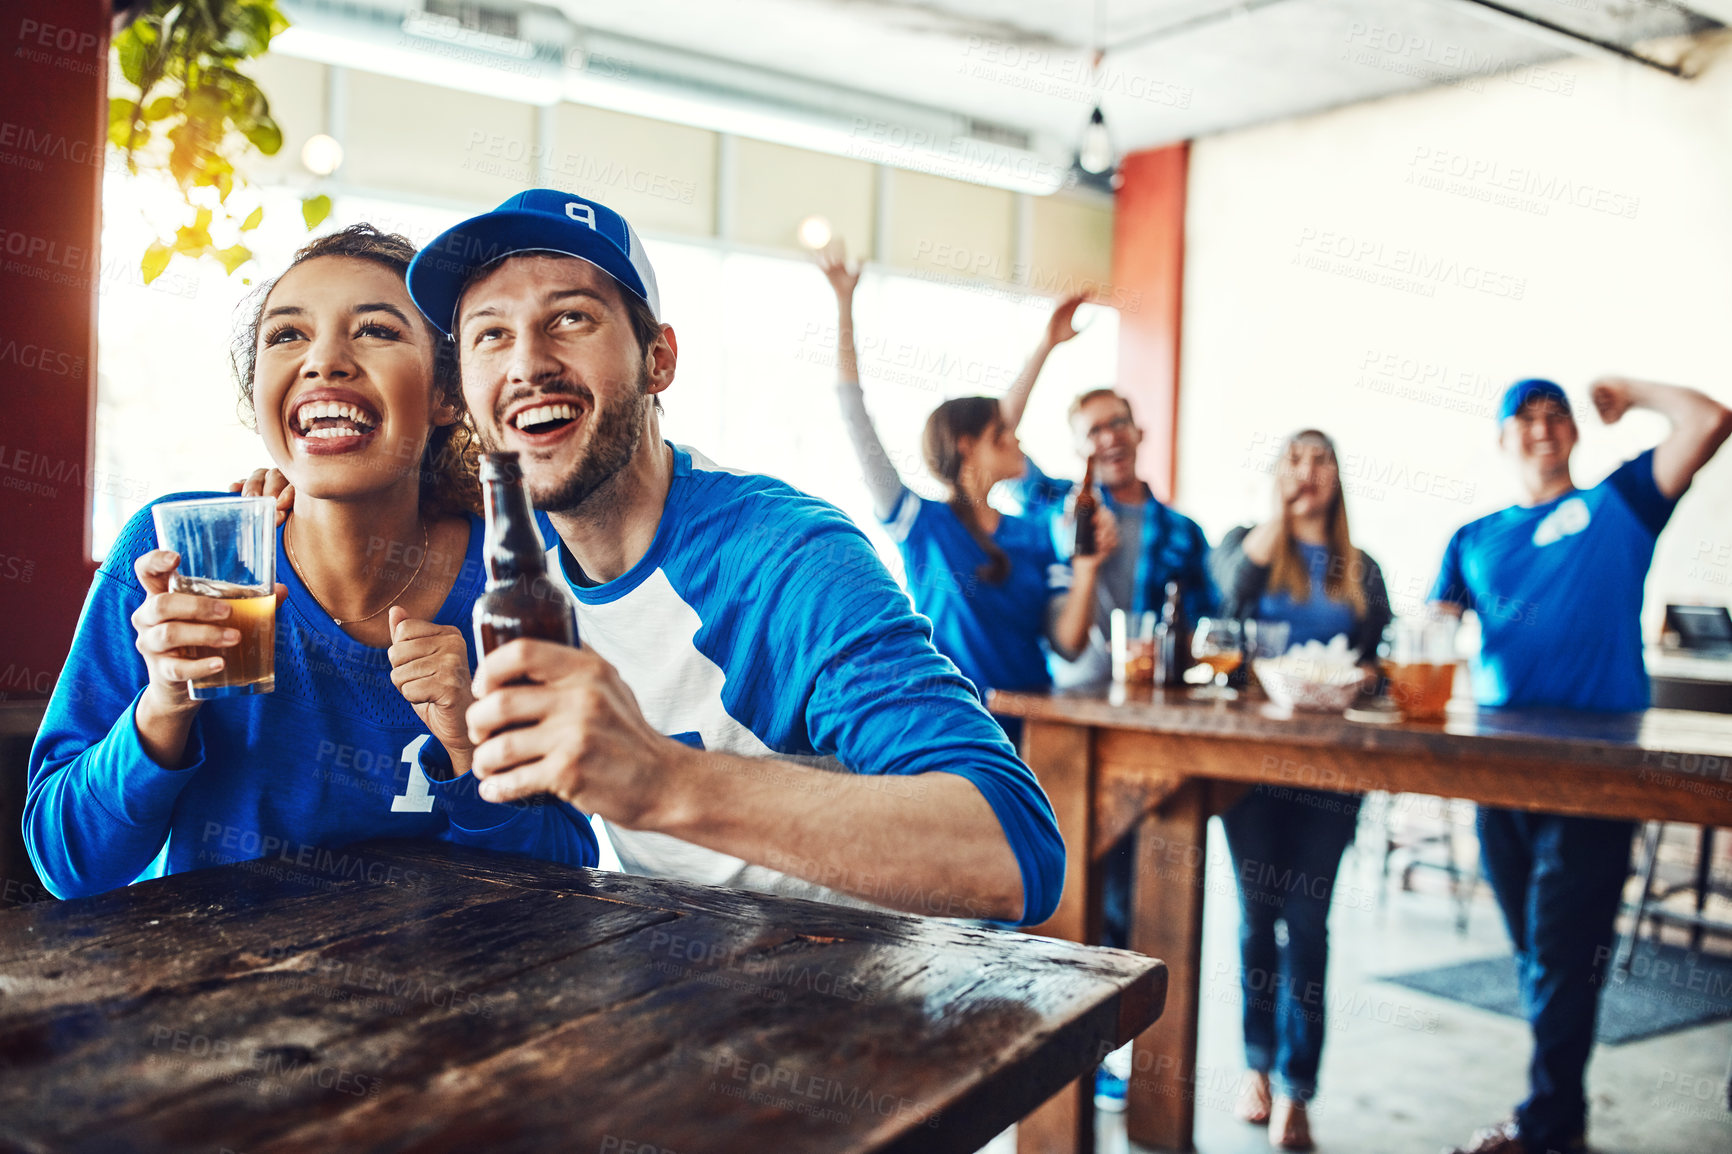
1060 327
1700 425
876 468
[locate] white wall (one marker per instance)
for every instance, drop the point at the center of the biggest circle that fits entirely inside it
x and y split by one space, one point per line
1383 271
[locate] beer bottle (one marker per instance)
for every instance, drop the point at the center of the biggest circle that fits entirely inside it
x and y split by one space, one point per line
1172 641
1086 504
521 599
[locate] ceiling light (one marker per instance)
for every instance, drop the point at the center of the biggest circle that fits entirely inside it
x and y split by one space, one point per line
815 232
1096 153
322 155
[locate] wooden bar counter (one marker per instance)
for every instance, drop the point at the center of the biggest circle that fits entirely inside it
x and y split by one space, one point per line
1157 764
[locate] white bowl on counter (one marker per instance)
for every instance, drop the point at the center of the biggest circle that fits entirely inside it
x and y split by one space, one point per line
1294 682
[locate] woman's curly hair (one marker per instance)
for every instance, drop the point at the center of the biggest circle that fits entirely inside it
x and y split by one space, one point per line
449 476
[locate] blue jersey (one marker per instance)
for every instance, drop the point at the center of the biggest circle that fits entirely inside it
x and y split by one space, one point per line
1318 617
761 622
1558 591
332 756
992 632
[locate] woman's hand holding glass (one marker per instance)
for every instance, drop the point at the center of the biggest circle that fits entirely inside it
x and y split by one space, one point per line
168 623
163 627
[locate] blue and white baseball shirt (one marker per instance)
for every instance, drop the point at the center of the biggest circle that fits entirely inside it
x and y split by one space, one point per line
762 623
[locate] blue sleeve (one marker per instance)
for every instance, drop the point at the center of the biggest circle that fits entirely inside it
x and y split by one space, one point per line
905 517
539 827
1634 482
856 669
1057 568
1451 583
1038 494
97 809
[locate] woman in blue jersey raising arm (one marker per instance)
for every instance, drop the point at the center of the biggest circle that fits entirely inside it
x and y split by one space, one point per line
364 735
993 585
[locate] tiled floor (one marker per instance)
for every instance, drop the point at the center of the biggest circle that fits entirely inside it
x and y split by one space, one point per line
1406 1072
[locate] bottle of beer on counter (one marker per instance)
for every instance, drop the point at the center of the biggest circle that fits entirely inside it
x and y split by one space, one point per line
1172 641
1086 504
521 599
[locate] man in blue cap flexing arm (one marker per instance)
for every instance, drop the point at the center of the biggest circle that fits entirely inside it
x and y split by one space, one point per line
734 631
1556 583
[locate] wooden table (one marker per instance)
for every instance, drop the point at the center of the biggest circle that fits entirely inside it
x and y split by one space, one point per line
1158 767
418 996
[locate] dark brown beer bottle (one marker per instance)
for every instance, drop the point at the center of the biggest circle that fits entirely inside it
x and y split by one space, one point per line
1086 504
1172 640
521 599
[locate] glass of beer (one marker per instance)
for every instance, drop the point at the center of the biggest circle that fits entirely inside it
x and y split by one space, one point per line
1218 643
228 550
1419 661
1134 647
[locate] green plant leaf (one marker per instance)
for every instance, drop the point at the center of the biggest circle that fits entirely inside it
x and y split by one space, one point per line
120 131
250 34
156 258
183 57
315 209
132 51
265 136
233 257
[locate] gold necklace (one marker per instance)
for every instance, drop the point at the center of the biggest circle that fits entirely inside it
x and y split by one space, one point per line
426 540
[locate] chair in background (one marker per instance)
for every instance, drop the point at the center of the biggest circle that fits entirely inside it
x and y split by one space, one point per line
1427 831
1649 901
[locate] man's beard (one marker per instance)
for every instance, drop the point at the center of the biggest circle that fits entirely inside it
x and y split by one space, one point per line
614 435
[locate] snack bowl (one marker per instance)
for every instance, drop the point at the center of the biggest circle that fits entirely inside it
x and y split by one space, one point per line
1297 682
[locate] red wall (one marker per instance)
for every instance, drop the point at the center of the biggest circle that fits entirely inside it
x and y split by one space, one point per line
1148 273
53 118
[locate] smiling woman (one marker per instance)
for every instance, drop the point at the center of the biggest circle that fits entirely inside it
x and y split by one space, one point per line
364 736
271 336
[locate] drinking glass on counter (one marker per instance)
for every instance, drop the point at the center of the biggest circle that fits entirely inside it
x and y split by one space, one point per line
1133 644
1219 644
1265 638
228 550
1419 661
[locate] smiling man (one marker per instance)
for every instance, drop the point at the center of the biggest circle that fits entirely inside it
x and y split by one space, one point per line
1556 582
1157 543
740 641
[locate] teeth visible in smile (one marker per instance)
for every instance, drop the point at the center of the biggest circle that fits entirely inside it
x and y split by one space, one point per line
542 414
342 410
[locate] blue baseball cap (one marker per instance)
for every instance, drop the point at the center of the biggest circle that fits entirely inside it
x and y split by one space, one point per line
1527 390
540 220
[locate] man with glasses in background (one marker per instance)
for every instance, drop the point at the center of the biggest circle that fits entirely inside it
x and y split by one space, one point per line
1157 544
